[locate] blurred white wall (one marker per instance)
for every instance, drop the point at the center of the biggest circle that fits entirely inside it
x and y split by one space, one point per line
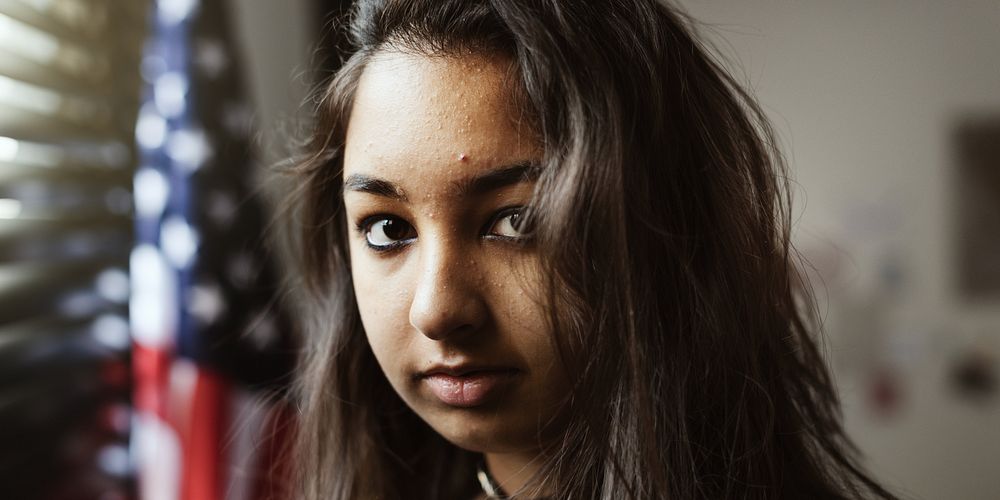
277 38
865 96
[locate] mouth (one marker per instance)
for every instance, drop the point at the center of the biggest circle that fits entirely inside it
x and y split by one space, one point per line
467 386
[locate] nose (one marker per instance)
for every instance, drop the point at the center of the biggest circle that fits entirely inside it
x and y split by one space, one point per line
448 300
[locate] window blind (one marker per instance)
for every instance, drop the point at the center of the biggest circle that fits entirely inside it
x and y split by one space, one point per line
69 91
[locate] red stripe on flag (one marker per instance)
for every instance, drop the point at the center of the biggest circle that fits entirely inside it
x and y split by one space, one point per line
152 375
204 429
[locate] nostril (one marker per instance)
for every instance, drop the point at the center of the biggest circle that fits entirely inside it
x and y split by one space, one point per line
444 314
438 323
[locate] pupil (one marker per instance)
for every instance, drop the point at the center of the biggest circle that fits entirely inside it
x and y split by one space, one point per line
394 229
515 221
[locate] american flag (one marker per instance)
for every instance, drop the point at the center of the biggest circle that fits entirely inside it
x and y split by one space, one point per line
212 346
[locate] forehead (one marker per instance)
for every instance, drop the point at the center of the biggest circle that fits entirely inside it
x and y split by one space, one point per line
419 119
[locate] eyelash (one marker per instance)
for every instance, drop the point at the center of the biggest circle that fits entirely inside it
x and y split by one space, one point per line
364 226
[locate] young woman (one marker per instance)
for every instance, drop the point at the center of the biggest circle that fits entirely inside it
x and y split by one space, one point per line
548 246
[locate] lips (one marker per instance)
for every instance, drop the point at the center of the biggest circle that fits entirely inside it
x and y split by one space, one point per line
467 386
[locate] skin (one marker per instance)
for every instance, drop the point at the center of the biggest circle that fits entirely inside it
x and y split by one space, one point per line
462 285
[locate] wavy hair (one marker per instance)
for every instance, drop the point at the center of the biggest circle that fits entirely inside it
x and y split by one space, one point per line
662 222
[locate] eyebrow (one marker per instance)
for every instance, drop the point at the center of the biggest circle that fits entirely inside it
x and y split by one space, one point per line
373 185
479 184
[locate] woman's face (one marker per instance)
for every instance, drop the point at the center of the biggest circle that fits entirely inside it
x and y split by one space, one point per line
438 167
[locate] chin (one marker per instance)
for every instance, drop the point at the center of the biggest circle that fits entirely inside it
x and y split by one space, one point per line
479 430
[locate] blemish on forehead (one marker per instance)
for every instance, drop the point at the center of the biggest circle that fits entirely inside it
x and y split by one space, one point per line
412 112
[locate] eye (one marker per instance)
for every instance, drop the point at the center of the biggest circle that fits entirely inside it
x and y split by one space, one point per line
385 232
511 223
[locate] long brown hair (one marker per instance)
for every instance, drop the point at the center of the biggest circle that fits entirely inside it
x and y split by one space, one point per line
662 221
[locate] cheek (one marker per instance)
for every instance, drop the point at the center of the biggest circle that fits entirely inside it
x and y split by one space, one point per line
383 304
522 308
520 283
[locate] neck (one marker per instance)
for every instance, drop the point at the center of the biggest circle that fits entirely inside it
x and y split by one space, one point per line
512 470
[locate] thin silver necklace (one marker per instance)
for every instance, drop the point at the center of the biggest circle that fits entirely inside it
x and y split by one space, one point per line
490 487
